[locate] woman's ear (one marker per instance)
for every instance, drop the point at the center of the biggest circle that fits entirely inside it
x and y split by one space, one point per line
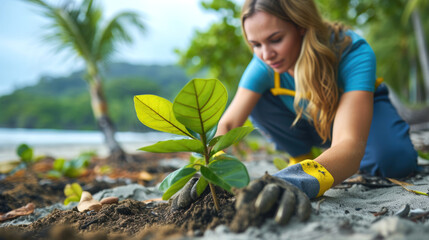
302 31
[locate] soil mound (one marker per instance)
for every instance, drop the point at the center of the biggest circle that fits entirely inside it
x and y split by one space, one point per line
129 219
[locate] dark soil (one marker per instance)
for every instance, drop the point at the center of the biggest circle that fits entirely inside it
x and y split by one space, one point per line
129 219
32 184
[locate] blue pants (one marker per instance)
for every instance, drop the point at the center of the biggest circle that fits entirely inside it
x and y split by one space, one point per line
389 151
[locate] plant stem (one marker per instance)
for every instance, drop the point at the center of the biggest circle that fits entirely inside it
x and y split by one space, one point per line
215 200
207 160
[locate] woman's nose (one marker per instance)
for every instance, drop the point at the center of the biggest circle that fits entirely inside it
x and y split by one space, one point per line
268 53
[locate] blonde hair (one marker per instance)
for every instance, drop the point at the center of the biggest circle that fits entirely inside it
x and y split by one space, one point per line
316 68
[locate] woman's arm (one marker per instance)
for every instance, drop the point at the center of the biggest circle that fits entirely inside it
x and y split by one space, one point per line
350 133
238 111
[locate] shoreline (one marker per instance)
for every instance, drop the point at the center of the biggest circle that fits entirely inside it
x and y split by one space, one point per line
70 143
68 150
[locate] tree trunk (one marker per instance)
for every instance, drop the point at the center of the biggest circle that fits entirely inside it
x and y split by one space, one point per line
99 108
423 54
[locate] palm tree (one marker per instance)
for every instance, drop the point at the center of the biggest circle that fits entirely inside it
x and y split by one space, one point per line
79 29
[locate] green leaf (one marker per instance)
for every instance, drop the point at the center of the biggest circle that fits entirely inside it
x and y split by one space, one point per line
73 172
25 153
181 145
211 133
279 163
210 176
248 123
196 159
54 174
201 185
156 113
68 200
195 134
214 141
231 137
200 104
73 193
224 157
73 189
175 176
231 171
423 155
176 187
58 164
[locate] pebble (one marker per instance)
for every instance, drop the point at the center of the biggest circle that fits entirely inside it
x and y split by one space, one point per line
109 200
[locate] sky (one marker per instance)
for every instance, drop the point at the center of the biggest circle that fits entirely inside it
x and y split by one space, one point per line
24 57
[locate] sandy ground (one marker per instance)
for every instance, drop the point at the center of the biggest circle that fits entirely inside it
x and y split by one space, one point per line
339 214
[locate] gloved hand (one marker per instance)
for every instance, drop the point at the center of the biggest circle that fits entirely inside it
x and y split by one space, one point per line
281 195
266 197
188 194
185 196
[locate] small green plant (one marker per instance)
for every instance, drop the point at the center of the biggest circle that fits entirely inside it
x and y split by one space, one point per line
25 153
71 168
424 155
195 113
73 193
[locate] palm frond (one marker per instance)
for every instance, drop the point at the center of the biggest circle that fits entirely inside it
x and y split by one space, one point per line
65 32
115 32
77 27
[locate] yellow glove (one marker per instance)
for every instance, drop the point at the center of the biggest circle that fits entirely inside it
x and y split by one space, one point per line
309 176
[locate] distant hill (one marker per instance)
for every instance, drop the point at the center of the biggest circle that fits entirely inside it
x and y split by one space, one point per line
64 103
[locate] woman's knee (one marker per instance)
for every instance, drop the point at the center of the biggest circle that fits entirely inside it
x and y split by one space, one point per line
394 162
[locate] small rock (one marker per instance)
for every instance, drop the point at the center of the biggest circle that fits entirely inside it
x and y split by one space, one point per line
404 211
109 200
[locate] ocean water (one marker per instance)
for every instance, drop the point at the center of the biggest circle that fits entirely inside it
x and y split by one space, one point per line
69 143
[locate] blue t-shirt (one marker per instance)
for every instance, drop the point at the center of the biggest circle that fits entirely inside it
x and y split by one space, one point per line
356 71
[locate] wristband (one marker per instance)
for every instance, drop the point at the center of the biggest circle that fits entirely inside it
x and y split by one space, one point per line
309 176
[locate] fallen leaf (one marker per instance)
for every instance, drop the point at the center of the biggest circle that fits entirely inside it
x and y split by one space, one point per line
383 211
22 211
404 184
87 203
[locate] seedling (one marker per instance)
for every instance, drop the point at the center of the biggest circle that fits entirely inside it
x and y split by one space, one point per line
26 159
72 168
195 113
73 193
25 153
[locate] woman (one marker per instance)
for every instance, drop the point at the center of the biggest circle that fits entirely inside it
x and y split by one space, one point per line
336 105
312 83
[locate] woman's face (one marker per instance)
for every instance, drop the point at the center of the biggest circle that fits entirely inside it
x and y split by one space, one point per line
274 41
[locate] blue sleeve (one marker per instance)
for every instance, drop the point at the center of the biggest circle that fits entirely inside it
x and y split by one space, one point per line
357 69
257 77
